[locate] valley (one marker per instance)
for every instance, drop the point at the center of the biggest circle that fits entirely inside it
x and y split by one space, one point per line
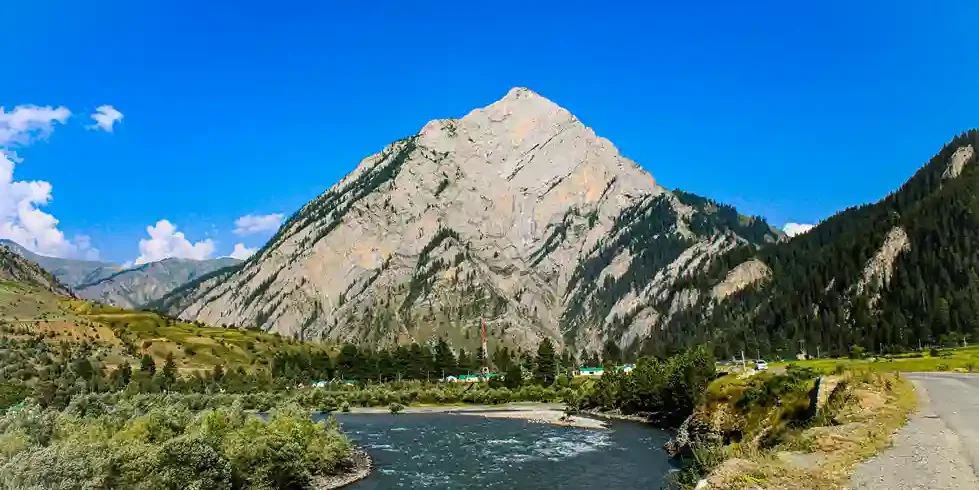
489 245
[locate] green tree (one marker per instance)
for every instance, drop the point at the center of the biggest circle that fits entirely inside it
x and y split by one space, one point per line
445 362
513 378
147 365
169 371
545 366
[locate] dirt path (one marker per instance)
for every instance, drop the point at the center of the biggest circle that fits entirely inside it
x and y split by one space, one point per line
939 448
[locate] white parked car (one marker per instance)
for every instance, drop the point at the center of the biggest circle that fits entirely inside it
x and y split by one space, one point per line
761 365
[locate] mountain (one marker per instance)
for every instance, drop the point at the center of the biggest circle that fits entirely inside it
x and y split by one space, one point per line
135 287
14 268
69 271
114 285
882 277
516 214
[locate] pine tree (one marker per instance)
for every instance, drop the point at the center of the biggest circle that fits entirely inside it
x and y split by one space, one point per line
147 365
169 372
545 364
445 362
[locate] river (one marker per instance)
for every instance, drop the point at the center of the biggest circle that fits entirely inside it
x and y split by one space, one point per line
450 451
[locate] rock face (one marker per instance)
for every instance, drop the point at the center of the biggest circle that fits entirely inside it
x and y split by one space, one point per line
17 269
958 161
134 288
880 268
743 275
516 213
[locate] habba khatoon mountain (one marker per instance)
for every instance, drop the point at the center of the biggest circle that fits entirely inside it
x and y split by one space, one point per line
516 213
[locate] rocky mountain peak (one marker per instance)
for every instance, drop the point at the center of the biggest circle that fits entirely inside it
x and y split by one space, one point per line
516 213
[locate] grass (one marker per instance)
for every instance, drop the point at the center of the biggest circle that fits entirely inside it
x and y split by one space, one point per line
856 422
960 359
124 336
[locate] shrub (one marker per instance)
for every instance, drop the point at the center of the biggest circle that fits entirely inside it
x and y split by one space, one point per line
344 407
157 442
396 408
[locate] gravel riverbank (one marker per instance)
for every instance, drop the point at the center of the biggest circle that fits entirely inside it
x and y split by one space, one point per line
358 467
542 413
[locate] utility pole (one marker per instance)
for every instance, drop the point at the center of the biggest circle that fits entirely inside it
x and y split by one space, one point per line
484 370
744 367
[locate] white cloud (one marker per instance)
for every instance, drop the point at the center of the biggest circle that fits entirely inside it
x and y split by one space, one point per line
105 117
165 242
793 229
251 224
241 252
22 221
25 122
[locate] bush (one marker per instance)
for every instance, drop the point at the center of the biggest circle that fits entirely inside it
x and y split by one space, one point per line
396 408
934 352
159 443
344 407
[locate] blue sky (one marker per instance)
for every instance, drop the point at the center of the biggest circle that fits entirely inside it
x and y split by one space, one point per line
790 110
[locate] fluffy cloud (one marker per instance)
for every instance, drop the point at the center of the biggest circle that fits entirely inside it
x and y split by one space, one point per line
793 229
165 242
105 117
22 221
251 224
241 252
26 122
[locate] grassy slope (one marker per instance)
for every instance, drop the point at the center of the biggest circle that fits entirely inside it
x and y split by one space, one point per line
952 359
857 422
122 335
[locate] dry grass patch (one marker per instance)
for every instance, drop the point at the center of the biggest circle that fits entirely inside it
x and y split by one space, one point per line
857 421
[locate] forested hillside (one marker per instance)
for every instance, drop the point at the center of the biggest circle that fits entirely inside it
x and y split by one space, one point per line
882 277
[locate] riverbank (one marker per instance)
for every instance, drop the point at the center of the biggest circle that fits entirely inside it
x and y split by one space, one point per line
540 413
765 432
358 467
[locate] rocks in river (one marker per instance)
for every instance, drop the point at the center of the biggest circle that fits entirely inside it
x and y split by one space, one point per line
357 467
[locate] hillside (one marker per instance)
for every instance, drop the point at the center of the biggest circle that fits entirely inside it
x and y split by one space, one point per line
115 285
41 332
135 287
517 214
14 268
882 277
70 272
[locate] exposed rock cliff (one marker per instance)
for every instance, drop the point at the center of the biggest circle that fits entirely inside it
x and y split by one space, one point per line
516 213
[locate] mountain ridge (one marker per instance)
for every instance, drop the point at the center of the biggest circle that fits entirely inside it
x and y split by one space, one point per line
503 215
22 271
115 285
882 277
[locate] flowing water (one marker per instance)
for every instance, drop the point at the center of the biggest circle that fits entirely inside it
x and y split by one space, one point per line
449 451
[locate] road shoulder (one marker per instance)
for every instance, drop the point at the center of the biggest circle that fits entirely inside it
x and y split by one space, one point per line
926 454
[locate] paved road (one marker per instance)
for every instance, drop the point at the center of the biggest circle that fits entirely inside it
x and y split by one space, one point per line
939 448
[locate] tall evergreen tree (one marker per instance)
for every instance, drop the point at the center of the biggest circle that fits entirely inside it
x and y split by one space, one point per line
545 365
147 365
